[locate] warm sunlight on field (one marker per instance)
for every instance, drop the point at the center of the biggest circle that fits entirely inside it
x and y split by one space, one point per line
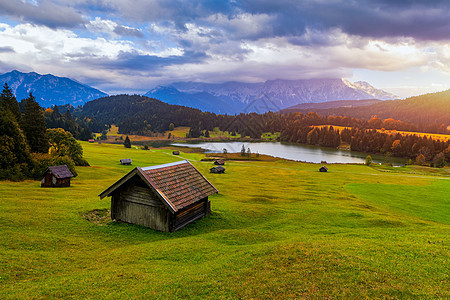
435 136
278 229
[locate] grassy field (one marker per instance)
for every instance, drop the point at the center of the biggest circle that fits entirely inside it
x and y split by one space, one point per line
278 229
179 133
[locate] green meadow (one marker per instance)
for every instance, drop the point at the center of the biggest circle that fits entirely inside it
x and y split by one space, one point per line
278 229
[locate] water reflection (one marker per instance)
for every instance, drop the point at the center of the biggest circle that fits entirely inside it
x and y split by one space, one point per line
296 152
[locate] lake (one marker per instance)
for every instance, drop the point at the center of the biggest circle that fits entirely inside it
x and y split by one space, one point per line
298 152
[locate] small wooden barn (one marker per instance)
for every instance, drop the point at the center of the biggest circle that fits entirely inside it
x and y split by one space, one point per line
323 169
217 170
125 161
56 176
176 152
164 197
219 162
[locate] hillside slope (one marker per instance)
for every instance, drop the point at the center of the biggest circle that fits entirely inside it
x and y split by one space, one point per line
424 109
48 89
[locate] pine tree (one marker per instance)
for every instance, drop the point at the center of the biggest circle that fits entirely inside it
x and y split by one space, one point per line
8 101
33 125
14 151
127 142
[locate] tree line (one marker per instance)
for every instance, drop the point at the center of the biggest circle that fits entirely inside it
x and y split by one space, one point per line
419 149
425 113
27 147
136 114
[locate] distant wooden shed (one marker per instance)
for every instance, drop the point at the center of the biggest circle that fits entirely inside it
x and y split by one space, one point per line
323 169
217 170
125 161
219 162
176 152
164 197
56 176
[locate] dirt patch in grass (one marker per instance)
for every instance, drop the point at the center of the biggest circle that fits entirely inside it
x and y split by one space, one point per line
98 216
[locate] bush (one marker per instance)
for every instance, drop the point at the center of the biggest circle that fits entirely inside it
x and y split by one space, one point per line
17 172
41 161
368 160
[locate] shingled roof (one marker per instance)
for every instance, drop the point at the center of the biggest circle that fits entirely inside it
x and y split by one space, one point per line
60 171
178 184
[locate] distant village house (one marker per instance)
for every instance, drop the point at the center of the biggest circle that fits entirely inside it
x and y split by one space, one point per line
164 197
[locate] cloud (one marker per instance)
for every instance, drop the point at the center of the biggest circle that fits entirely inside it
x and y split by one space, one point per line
128 31
6 49
112 29
150 42
133 61
46 13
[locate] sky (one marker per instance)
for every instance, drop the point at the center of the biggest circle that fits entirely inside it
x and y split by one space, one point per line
131 46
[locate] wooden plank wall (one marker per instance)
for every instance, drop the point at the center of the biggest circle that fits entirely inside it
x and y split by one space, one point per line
138 205
190 214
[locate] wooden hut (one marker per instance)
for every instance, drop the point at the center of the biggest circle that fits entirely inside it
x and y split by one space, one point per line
56 176
176 152
164 197
323 169
219 162
125 161
217 170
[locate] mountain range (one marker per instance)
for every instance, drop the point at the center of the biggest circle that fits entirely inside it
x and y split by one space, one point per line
48 89
222 98
273 95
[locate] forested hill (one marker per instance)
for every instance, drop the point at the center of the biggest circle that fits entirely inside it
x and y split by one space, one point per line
425 109
141 114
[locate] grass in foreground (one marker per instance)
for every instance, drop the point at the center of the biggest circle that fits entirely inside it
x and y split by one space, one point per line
278 229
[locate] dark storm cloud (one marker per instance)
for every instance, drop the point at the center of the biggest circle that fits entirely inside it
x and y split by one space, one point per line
419 19
45 13
422 20
135 61
6 49
126 31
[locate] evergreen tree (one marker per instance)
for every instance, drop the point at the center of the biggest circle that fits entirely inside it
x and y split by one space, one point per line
207 133
14 151
439 160
368 160
33 125
9 101
171 126
127 142
243 150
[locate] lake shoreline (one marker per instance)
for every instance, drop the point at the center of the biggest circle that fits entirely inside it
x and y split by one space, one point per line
291 151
